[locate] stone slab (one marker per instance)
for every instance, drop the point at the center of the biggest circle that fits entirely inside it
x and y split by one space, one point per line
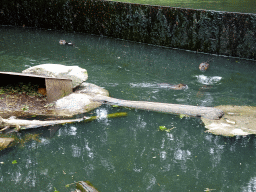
237 120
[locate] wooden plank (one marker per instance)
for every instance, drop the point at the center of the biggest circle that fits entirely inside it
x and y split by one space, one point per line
28 75
57 88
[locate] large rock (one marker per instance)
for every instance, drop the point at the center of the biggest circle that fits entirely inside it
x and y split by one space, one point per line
81 101
237 120
75 73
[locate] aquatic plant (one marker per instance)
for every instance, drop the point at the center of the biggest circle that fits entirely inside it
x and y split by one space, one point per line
112 115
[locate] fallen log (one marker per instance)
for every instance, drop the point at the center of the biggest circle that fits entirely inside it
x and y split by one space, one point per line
28 124
196 111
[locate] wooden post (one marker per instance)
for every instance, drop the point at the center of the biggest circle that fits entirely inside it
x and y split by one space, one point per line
57 88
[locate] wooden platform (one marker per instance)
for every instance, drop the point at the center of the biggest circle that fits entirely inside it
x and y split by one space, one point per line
56 88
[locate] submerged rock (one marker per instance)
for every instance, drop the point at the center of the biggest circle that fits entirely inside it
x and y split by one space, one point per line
85 186
237 120
5 142
77 74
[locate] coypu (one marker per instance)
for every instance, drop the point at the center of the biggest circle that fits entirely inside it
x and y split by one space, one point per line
42 91
63 42
204 66
179 86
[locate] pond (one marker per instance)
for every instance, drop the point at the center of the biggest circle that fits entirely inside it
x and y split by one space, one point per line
245 6
131 153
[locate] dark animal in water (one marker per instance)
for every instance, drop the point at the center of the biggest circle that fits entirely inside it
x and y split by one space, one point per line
204 66
63 42
179 86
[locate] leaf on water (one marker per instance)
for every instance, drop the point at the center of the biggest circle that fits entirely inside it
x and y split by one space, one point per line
162 128
14 161
181 116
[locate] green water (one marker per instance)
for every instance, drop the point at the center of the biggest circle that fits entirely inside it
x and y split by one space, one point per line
130 153
244 6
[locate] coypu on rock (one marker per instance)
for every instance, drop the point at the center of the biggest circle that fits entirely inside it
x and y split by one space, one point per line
179 86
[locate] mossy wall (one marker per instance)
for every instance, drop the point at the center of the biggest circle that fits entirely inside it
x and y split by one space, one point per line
224 33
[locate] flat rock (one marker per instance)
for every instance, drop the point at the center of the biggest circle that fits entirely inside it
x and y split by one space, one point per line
77 74
237 120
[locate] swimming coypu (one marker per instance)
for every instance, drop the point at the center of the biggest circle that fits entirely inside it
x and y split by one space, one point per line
63 42
204 66
179 86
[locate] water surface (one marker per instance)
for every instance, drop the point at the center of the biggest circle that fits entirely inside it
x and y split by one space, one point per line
131 154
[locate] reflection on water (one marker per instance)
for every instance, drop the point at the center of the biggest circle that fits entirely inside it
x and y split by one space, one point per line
130 153
208 80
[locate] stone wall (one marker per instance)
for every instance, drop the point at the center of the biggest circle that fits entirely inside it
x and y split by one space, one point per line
224 33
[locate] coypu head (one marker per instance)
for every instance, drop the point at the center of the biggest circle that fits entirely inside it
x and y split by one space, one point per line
62 42
180 86
204 66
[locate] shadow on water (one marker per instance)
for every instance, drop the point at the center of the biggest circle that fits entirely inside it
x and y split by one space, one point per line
131 153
